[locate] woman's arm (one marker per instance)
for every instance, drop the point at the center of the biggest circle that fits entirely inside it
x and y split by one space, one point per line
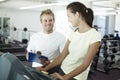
59 59
87 60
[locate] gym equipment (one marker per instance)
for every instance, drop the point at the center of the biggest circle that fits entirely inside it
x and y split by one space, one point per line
109 56
24 36
14 33
13 69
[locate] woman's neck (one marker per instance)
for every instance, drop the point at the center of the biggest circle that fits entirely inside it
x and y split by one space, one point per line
83 28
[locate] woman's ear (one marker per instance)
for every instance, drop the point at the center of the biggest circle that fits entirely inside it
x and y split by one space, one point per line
78 14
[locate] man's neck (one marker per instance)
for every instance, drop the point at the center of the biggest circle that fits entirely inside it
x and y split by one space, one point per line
48 32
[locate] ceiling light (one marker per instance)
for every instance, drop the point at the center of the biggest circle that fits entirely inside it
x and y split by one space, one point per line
43 5
102 9
2 0
105 13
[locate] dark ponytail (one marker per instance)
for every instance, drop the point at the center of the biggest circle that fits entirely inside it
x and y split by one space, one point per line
86 13
89 16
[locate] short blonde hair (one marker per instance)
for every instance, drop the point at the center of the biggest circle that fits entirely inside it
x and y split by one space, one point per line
47 12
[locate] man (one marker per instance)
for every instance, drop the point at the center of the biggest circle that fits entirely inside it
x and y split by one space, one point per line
49 42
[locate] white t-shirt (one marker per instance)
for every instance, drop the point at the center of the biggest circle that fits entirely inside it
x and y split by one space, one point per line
50 45
78 47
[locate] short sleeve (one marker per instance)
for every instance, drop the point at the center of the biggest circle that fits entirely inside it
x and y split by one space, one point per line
62 43
71 35
95 38
30 46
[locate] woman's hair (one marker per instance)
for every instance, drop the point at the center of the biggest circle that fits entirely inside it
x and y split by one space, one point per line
47 12
86 13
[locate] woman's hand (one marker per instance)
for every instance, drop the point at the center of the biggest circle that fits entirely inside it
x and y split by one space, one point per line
57 76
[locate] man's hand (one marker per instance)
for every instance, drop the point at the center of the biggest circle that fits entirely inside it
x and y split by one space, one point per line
44 62
39 68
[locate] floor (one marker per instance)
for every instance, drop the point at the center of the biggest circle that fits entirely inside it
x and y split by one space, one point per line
113 74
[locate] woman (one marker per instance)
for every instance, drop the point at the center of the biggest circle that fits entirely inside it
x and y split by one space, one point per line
81 46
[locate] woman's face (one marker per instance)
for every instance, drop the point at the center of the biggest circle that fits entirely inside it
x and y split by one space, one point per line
73 18
47 22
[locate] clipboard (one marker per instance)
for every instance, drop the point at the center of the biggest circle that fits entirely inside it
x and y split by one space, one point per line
34 57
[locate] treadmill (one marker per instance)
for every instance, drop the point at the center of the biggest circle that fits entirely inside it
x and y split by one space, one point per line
11 68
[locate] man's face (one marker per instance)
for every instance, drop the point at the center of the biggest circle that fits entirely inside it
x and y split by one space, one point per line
47 22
